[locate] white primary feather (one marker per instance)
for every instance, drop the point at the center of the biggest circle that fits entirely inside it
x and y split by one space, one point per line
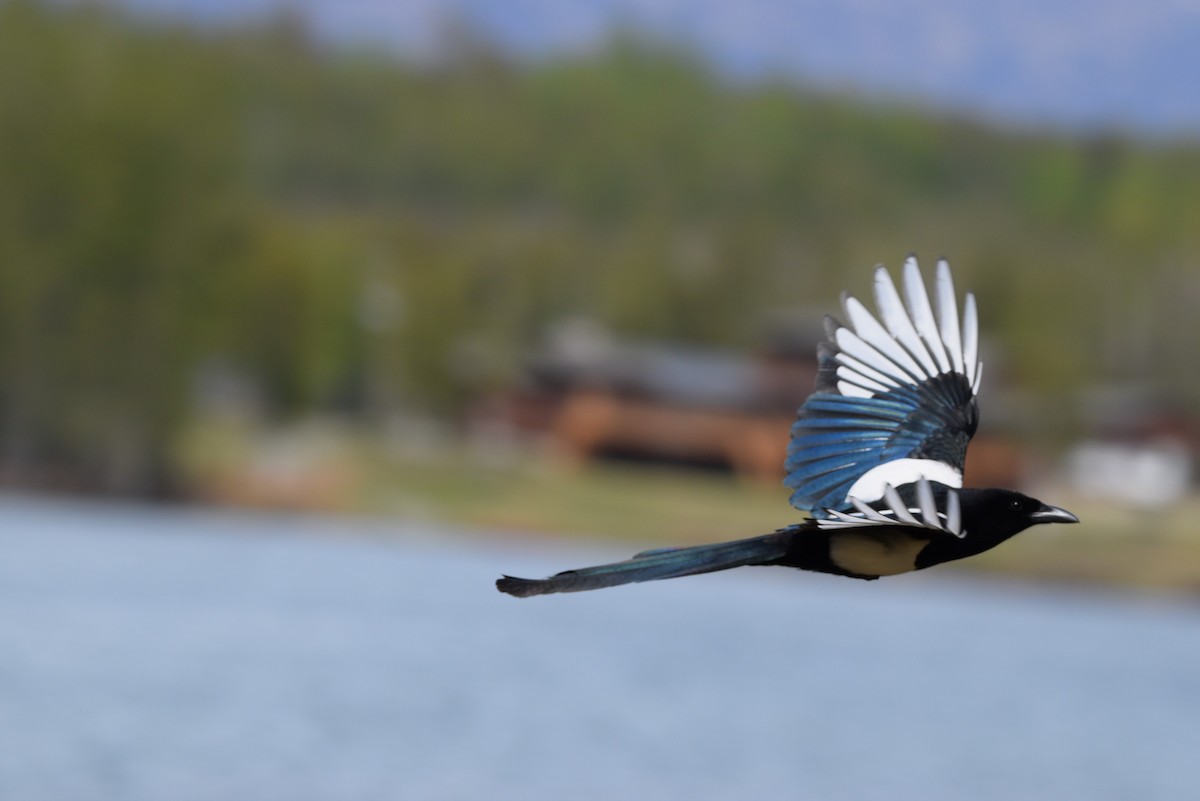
947 305
874 334
896 513
860 381
850 343
921 313
954 514
970 339
853 366
838 517
896 504
927 503
848 390
898 322
869 512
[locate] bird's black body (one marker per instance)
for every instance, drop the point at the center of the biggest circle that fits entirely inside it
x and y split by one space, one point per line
876 458
991 515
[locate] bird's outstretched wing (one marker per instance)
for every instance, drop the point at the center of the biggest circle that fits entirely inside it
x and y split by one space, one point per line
894 402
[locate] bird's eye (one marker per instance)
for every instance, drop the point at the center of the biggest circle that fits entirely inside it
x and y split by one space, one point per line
1015 504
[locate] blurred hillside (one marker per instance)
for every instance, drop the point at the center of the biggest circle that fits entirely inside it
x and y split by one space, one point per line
1060 62
192 217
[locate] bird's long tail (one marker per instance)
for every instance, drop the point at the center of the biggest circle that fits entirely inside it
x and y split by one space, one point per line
653 565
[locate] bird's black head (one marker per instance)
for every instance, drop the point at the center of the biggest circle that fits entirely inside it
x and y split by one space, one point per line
989 517
999 513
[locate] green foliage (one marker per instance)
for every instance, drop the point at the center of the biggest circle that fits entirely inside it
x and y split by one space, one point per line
358 233
119 200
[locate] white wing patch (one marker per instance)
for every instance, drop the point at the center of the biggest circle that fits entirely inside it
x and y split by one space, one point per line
872 485
896 513
911 344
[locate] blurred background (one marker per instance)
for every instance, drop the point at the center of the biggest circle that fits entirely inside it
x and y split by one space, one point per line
317 316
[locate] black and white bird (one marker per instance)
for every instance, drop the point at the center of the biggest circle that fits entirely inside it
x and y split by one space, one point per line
876 455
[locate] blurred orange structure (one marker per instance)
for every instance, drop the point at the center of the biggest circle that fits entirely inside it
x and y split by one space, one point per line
590 423
592 398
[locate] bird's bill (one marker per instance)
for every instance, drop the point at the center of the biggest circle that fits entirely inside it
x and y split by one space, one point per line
1053 514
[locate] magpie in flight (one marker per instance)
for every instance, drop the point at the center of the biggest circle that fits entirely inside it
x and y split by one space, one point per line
876 456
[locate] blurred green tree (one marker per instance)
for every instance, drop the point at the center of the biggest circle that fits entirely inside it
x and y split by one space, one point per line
362 234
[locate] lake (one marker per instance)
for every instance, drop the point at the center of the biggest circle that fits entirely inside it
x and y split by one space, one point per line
166 654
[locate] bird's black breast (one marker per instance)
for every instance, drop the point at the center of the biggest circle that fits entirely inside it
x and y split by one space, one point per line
947 549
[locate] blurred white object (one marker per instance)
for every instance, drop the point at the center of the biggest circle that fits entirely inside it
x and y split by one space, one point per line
1140 474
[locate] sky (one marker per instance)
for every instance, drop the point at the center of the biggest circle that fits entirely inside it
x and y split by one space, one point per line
1097 64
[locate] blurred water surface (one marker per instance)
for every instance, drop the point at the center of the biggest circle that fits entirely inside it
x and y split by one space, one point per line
153 653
